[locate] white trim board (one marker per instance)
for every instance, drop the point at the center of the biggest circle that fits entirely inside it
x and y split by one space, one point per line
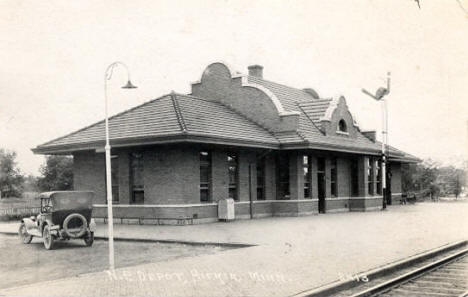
365 198
274 201
336 198
156 205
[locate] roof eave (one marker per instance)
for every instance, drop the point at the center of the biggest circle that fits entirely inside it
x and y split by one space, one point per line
328 147
406 160
180 138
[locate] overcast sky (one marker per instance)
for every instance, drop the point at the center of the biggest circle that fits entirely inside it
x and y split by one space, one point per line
54 54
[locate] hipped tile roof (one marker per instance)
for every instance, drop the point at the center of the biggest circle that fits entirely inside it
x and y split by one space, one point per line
172 115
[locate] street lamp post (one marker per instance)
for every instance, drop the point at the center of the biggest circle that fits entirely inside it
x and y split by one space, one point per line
107 148
380 96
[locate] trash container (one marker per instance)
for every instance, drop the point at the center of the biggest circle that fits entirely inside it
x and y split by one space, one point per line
226 209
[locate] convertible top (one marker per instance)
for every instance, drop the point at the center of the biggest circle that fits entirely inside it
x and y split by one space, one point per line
68 200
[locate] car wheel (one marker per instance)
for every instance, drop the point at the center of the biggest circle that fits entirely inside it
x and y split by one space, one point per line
89 239
23 234
48 238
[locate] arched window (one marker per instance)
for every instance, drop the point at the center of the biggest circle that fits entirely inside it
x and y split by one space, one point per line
342 127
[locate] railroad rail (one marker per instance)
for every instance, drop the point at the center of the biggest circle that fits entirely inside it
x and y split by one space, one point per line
439 272
444 277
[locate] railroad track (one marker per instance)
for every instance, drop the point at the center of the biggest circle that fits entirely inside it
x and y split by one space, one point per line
439 272
443 277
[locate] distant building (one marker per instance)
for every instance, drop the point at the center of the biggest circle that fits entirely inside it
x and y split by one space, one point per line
276 150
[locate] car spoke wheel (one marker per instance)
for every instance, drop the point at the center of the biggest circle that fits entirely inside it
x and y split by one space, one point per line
89 239
48 238
23 234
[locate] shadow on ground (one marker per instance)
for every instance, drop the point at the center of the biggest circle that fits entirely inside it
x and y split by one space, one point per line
24 264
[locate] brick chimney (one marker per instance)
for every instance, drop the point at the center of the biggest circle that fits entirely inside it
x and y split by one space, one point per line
369 134
256 70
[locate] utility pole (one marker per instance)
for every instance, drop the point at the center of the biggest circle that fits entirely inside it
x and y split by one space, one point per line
380 96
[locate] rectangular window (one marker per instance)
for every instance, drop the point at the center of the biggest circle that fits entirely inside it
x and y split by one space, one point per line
233 169
115 178
205 176
378 173
307 170
261 179
137 180
333 178
354 178
283 176
370 176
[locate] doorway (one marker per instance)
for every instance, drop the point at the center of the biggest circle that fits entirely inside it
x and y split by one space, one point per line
321 184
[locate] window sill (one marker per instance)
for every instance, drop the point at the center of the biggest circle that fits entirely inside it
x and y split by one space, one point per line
342 133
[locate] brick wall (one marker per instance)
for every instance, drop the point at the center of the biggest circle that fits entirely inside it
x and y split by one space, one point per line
396 177
362 176
396 182
124 177
296 179
337 204
344 177
219 175
89 174
340 113
262 209
247 158
363 204
270 177
314 177
171 175
217 84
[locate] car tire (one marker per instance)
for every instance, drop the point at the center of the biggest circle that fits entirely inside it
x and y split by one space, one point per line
23 234
83 228
89 239
48 238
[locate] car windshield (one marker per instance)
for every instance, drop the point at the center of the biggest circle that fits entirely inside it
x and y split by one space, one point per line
46 205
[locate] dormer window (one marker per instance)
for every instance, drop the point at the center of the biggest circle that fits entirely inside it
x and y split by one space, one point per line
342 127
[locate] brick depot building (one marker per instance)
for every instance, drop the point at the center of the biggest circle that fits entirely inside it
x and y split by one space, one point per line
276 150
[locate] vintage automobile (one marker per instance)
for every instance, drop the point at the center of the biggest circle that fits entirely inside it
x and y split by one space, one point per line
64 215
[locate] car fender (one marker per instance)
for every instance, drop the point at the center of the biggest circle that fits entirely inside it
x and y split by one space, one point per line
51 225
92 225
30 224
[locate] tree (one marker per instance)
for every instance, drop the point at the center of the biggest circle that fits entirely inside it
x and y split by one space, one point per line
451 180
433 178
418 177
57 174
30 183
11 179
